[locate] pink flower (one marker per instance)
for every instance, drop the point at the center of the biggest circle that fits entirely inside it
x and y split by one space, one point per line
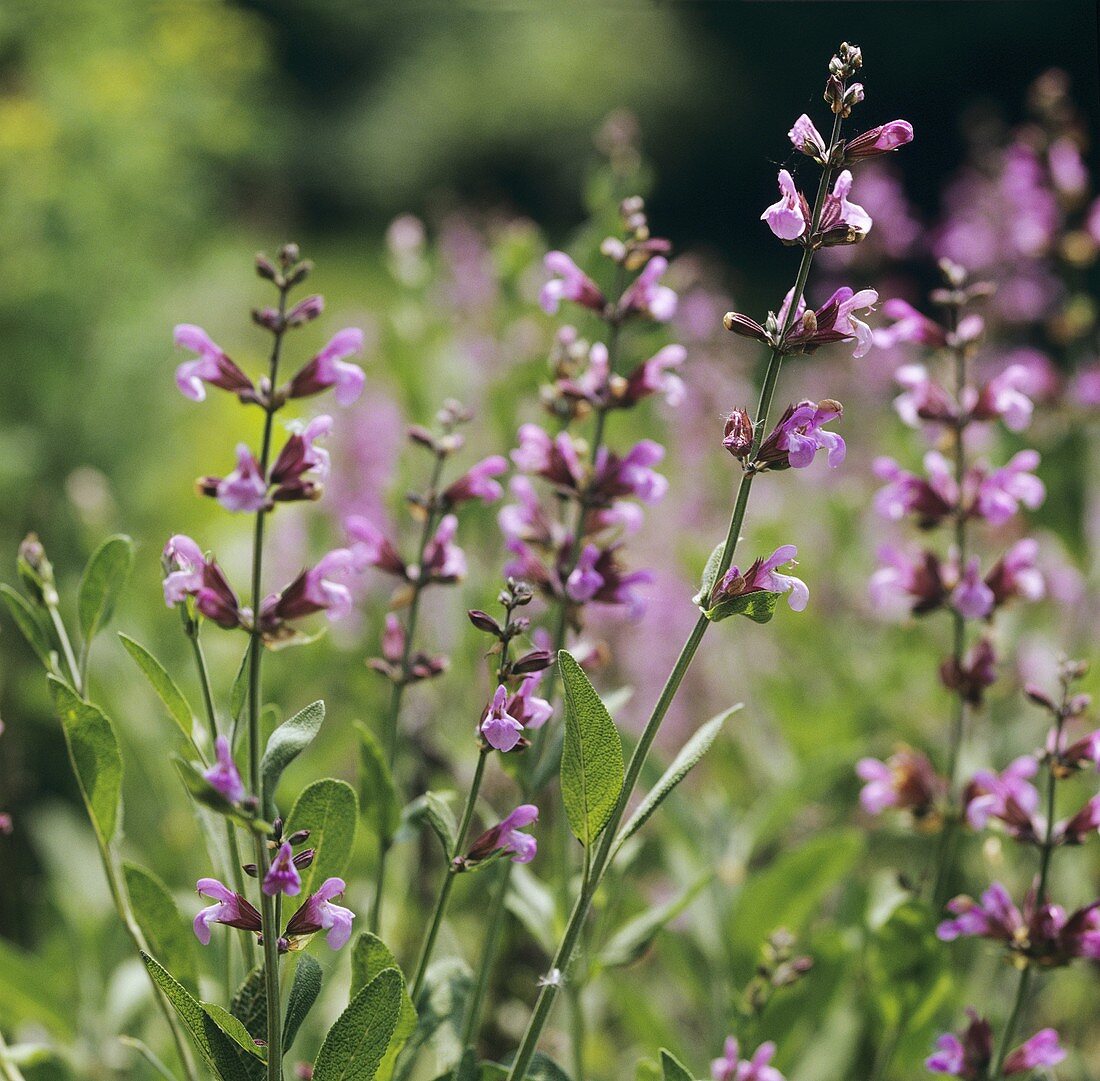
444 561
372 548
319 589
569 283
763 576
1006 796
230 908
329 369
318 913
880 140
806 139
212 366
731 1067
478 483
929 500
909 326
184 560
1015 574
834 321
216 599
1004 396
906 781
1043 1049
656 376
526 707
554 459
914 579
244 490
223 776
789 216
801 433
972 598
922 400
301 456
631 475
282 876
506 838
499 728
646 296
585 581
845 212
1002 491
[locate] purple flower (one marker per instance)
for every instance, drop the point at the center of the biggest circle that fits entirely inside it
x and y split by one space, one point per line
1006 796
525 520
789 216
329 369
505 837
1043 1049
185 560
526 707
499 728
906 781
1004 397
318 913
569 283
223 775
554 459
840 212
880 140
444 561
216 599
800 434
996 917
478 483
230 908
929 500
922 400
806 139
301 456
372 548
1002 491
617 587
731 1067
973 674
630 475
763 576
972 598
1015 574
316 590
282 876
585 581
646 296
834 321
1076 830
913 578
212 366
909 325
656 376
244 490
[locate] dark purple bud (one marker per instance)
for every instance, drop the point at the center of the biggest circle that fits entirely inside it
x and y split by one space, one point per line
268 318
484 622
250 870
743 325
298 837
305 311
739 434
305 858
422 436
266 268
535 661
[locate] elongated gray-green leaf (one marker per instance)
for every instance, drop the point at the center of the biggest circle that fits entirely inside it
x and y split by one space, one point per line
592 755
370 956
681 766
249 1004
26 619
672 1069
355 1046
633 939
434 809
303 994
377 792
95 757
329 810
165 686
284 745
710 573
102 582
165 930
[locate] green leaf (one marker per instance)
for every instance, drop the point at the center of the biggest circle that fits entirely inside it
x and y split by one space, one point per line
238 693
631 941
592 755
434 809
710 573
249 1004
303 994
681 766
329 810
95 757
30 991
355 1046
161 682
532 902
370 956
377 791
672 1069
158 916
146 1053
233 1028
284 745
758 606
26 619
102 582
441 1010
222 1052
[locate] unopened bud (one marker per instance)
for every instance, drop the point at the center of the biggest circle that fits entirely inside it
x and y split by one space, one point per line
739 434
36 571
483 621
298 837
266 268
305 311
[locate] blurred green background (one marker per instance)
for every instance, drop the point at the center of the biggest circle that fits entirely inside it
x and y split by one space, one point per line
148 149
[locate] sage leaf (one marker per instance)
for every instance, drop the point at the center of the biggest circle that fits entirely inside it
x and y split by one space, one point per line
284 745
102 582
355 1046
330 811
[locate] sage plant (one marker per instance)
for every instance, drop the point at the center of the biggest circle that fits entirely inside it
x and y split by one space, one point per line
596 800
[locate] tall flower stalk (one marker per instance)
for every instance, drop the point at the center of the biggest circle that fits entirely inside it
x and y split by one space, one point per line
727 590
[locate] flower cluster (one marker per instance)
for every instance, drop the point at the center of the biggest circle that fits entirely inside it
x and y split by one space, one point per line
969 1055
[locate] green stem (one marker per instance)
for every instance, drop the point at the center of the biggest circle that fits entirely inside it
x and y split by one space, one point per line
248 947
492 943
397 694
566 947
255 705
450 874
1010 1024
66 648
